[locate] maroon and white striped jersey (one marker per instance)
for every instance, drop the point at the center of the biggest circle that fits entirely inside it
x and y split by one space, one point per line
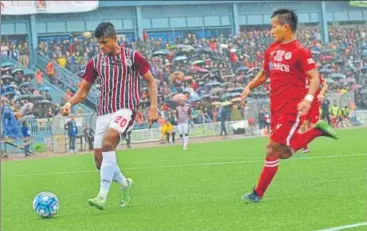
119 78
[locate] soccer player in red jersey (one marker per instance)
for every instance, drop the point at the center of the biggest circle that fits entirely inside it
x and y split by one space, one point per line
287 63
119 69
313 115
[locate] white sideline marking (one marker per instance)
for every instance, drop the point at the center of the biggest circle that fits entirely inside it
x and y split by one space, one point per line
185 165
344 227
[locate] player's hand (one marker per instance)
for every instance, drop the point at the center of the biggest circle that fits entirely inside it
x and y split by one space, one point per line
65 110
244 95
153 116
304 107
320 98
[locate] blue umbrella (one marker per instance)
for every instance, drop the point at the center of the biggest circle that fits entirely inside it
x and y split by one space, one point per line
194 99
226 95
243 68
180 58
44 89
325 71
364 68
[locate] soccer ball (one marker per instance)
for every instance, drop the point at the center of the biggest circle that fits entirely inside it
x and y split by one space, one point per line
46 204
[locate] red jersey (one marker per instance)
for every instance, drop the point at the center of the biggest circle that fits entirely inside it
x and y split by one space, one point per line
119 76
286 65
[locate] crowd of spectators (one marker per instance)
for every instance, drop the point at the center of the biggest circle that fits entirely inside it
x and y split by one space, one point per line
212 71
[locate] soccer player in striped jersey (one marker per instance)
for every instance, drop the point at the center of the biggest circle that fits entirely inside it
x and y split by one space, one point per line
119 70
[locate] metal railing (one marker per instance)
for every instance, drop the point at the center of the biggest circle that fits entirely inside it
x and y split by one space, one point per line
69 80
55 92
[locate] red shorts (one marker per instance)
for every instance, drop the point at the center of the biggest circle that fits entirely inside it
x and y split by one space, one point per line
284 126
314 114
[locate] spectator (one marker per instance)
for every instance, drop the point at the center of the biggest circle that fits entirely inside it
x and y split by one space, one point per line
72 131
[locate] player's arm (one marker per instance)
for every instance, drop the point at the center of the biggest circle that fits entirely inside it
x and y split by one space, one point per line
309 68
144 70
259 79
152 88
314 83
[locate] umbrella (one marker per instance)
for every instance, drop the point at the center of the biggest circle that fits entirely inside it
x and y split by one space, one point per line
25 84
37 97
44 89
236 89
214 97
356 87
325 71
23 97
235 94
161 52
185 47
198 62
7 93
194 99
212 84
251 70
217 103
237 99
204 50
215 90
16 71
338 76
315 52
45 102
7 64
205 96
9 77
326 57
364 68
225 84
243 68
179 96
199 69
226 103
186 78
180 58
31 75
176 75
350 80
225 95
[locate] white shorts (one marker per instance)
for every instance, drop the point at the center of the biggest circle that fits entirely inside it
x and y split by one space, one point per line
183 129
120 120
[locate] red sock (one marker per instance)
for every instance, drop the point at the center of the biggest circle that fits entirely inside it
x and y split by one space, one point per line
302 140
269 171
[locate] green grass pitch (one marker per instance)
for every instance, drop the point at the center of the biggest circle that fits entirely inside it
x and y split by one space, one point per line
198 189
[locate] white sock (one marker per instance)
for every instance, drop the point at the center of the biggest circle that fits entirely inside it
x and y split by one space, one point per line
108 168
119 178
186 141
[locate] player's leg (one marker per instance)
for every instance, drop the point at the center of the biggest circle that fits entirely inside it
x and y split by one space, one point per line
180 130
167 137
186 135
109 170
267 174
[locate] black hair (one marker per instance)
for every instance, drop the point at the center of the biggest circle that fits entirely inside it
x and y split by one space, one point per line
105 29
286 16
